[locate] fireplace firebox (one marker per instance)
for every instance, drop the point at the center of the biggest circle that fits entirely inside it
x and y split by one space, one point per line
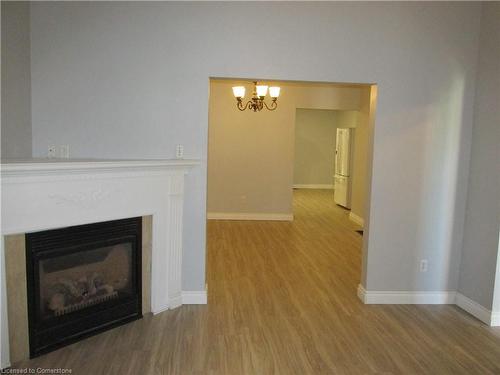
82 280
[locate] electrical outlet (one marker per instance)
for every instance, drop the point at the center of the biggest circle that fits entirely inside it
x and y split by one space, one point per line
179 151
424 265
51 152
64 151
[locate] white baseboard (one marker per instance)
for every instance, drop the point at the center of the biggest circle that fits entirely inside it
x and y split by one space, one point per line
495 319
187 297
430 298
248 216
313 186
159 311
175 302
194 297
477 310
357 219
405 297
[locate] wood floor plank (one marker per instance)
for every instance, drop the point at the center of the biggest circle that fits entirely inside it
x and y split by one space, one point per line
282 300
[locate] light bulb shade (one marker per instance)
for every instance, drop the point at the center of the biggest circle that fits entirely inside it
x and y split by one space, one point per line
261 90
274 91
239 91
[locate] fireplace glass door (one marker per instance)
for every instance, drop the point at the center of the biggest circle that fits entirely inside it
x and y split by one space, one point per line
82 280
72 282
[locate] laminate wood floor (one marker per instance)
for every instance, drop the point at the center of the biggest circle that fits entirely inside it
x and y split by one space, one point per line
282 300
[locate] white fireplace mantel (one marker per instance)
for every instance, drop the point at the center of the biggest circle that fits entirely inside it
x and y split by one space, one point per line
46 194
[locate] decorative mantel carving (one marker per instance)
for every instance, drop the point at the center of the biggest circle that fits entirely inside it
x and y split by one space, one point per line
83 199
47 194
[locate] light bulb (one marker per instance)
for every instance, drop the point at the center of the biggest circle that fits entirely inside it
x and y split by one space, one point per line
239 91
274 91
261 90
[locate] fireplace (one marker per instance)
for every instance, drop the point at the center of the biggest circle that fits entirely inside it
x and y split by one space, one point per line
82 280
48 194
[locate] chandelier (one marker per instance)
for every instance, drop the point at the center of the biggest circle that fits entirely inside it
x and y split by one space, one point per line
257 102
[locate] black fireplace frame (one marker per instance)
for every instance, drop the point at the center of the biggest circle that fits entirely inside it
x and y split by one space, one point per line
51 334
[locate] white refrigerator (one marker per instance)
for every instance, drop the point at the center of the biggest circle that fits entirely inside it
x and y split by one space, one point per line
342 179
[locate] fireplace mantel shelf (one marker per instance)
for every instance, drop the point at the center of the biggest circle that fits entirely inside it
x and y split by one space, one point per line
49 166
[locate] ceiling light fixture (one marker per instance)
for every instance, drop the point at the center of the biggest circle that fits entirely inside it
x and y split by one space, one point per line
257 102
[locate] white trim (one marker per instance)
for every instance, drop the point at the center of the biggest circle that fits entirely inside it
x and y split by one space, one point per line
495 316
313 186
405 297
357 219
476 310
174 302
194 297
160 310
248 216
430 298
495 319
30 167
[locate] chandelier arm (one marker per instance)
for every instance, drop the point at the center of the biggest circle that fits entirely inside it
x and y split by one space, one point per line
249 105
242 106
273 106
256 104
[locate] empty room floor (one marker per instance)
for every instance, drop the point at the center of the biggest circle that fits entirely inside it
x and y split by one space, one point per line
282 300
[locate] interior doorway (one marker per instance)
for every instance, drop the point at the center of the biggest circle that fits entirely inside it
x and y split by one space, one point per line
337 140
251 155
325 146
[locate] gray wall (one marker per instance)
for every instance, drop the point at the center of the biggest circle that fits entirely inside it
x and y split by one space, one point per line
480 245
127 80
315 137
16 80
315 134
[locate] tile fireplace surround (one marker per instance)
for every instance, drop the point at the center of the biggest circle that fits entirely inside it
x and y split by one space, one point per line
47 194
